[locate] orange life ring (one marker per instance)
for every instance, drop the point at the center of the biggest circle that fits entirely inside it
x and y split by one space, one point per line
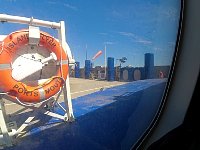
24 92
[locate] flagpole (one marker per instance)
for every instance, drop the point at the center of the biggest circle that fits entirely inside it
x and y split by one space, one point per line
86 51
105 60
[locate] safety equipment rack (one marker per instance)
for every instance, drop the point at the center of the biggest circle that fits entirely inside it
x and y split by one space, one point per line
9 130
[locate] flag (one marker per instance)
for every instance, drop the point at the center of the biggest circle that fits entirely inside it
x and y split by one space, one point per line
97 55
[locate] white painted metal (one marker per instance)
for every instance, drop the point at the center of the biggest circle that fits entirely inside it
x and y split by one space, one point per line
11 134
105 59
5 138
24 125
66 90
36 54
51 57
49 113
26 69
67 100
34 35
2 37
29 21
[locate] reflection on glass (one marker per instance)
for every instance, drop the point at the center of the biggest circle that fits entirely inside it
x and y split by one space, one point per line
123 51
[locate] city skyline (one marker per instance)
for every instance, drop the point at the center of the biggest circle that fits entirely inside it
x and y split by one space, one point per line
128 28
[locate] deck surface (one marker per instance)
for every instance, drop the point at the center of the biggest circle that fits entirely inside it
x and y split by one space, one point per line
113 115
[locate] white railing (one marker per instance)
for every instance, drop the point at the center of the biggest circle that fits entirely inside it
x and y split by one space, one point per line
30 21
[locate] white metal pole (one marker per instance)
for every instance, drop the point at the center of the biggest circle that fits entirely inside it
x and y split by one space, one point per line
105 62
86 51
4 136
66 90
30 21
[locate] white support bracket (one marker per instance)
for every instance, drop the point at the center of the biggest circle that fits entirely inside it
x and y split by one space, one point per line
29 21
34 35
6 134
66 90
62 39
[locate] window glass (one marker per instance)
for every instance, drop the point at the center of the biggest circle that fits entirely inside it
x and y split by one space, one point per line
123 51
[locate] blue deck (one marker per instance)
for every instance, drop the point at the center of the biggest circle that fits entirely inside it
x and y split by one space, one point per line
114 118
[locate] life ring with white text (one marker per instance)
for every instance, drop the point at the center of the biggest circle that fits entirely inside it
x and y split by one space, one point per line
20 90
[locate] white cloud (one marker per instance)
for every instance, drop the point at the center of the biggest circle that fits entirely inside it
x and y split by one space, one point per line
135 38
70 6
108 43
64 4
146 42
158 49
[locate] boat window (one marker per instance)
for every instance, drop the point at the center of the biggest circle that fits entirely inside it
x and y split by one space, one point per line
123 52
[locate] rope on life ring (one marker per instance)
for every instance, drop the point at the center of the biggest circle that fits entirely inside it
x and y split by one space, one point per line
19 90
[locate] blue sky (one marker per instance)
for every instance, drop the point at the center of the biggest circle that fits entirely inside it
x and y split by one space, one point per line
129 28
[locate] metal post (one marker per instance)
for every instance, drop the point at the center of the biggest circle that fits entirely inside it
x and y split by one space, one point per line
66 90
5 139
105 61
